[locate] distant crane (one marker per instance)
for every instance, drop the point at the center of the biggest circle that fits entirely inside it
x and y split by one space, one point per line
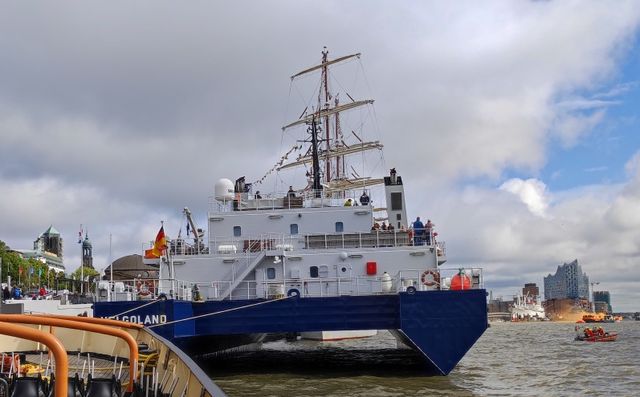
198 234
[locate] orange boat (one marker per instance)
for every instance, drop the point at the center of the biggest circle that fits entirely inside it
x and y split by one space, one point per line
596 335
608 337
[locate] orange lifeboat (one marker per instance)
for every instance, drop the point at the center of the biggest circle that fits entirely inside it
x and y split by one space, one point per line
460 281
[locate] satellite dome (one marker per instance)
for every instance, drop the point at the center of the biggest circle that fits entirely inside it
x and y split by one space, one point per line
224 190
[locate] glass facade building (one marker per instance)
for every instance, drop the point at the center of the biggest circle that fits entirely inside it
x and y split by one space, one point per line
568 282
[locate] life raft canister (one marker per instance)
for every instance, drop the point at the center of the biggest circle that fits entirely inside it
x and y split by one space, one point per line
460 281
430 277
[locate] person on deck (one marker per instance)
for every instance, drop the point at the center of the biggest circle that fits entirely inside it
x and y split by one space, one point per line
348 203
428 231
258 196
291 193
418 228
364 199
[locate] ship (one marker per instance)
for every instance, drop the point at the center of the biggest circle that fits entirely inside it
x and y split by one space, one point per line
527 308
337 253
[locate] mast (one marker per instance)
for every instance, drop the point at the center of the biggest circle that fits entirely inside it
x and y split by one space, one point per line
317 186
325 84
337 128
326 115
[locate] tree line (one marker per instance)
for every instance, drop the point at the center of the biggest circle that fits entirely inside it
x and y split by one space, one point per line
31 273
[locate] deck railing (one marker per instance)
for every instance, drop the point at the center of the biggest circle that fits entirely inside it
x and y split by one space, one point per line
408 280
287 242
287 200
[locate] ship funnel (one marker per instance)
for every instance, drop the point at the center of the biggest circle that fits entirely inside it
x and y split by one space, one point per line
396 208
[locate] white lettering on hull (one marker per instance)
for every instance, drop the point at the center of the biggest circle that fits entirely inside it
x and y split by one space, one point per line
145 320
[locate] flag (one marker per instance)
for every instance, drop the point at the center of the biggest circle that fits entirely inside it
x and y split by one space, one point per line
80 235
158 246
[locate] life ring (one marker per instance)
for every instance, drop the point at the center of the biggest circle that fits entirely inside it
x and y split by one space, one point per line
430 278
144 288
293 292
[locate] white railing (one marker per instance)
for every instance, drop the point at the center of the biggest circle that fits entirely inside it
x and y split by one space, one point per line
404 281
287 200
277 241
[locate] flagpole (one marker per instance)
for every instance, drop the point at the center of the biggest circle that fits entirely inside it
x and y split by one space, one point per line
81 264
111 287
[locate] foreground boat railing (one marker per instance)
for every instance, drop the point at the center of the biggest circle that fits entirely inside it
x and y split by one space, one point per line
85 326
53 344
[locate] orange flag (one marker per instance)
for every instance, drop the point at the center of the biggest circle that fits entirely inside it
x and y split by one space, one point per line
158 246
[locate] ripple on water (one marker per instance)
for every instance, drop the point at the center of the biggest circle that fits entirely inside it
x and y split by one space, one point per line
511 359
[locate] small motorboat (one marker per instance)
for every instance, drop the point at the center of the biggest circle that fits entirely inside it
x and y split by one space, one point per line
594 335
607 337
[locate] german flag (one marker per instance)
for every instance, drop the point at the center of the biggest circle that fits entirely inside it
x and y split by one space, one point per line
158 246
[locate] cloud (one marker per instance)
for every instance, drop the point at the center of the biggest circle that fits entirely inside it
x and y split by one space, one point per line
532 192
492 229
571 126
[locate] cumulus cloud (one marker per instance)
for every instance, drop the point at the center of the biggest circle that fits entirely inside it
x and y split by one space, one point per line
532 192
599 225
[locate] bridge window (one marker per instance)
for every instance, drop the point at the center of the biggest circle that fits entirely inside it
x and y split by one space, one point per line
237 231
313 271
339 227
271 273
396 201
293 228
323 271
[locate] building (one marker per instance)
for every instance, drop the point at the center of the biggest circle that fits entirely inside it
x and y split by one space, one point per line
602 301
531 289
130 267
48 249
87 255
569 282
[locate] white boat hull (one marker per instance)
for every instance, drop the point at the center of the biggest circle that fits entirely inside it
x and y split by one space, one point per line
338 335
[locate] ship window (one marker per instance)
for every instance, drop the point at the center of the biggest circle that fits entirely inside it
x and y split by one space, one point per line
271 273
237 231
313 271
323 271
396 201
293 228
339 227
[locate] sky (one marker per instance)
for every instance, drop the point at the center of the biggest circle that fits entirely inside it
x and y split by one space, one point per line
514 124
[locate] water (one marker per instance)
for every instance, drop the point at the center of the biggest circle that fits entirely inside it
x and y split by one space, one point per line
511 359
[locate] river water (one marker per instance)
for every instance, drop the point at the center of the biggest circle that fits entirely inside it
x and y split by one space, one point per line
510 359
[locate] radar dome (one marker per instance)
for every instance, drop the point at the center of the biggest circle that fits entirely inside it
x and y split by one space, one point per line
224 190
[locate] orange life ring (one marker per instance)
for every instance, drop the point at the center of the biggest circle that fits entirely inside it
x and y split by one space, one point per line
145 288
430 278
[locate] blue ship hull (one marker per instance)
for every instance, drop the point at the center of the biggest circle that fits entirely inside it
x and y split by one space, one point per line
442 325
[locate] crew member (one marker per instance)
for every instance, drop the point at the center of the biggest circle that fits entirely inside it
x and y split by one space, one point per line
364 199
